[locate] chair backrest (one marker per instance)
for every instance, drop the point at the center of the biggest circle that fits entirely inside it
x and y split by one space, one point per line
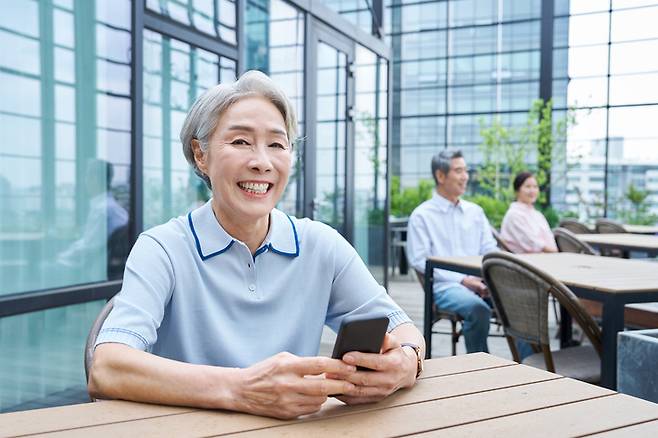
574 226
520 293
93 334
608 226
499 240
568 242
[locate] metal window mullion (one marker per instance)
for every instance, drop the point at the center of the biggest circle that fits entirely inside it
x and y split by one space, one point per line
166 128
137 119
48 156
607 116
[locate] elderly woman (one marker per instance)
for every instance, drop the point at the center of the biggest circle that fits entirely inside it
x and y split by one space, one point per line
224 307
524 229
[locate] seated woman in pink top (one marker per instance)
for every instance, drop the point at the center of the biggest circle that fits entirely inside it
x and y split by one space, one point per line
524 229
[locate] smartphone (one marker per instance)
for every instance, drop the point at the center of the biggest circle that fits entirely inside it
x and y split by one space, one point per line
358 333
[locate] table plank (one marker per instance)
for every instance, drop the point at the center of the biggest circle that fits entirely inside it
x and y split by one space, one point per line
627 240
82 415
442 413
204 423
581 418
641 229
648 429
462 364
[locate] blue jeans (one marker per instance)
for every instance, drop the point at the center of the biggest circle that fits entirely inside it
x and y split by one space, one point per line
475 311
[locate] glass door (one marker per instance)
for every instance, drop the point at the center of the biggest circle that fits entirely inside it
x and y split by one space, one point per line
331 145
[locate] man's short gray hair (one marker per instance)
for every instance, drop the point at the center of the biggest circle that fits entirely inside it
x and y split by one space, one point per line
202 118
442 160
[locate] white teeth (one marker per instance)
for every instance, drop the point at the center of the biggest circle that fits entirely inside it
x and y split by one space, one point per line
254 187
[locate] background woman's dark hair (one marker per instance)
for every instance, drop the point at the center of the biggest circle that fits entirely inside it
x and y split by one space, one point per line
520 179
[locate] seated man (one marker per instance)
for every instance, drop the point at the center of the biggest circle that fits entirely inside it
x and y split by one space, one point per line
448 226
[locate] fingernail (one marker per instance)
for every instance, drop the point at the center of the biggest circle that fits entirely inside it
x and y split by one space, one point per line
348 358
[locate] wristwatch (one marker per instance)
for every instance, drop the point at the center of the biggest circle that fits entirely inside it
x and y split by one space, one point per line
419 359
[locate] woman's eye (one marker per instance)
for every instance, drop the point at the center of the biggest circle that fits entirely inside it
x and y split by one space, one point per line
277 145
239 141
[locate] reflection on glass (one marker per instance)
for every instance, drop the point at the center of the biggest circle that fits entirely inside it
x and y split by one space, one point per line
370 156
175 74
358 12
65 154
213 17
329 205
41 360
275 45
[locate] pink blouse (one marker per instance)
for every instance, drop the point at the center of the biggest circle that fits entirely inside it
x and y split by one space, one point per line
525 230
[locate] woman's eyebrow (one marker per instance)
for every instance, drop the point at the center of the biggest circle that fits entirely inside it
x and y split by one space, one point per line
251 129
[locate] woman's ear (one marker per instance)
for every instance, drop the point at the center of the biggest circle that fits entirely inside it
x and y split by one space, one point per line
199 156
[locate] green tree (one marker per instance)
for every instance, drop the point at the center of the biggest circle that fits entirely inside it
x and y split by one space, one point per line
403 201
639 213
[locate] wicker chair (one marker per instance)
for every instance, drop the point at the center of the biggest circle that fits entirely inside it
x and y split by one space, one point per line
93 334
437 315
569 242
499 240
520 293
574 226
607 226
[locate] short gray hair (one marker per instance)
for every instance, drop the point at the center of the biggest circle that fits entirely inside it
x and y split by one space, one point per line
201 120
442 160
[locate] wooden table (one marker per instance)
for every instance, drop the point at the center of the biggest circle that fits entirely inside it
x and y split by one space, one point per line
612 281
641 229
469 395
623 241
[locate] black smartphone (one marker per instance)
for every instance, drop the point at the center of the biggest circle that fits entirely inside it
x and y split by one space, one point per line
358 333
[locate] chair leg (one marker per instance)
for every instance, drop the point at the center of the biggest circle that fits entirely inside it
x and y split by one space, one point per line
455 337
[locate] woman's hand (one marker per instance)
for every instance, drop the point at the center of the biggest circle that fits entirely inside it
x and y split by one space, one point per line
395 368
287 386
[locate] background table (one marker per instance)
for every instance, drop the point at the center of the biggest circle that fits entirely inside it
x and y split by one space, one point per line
623 241
641 229
470 395
612 281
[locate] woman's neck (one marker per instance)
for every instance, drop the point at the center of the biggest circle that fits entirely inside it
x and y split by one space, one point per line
251 233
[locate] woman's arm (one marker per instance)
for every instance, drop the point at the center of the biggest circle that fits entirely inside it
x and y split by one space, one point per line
278 387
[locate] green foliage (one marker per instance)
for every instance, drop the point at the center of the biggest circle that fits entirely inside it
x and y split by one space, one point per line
551 215
404 201
506 151
639 213
493 208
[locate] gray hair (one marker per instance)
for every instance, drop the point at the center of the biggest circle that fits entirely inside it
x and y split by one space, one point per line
202 118
442 160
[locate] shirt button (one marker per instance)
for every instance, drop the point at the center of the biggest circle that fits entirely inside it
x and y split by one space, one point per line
252 287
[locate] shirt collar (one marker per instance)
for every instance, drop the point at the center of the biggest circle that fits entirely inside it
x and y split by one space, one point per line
443 204
211 239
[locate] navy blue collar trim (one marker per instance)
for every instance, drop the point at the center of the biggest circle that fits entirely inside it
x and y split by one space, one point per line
289 254
198 244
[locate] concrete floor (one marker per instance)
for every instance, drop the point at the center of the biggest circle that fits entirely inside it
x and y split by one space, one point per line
406 291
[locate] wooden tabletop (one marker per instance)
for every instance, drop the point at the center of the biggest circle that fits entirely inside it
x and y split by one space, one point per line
640 242
470 395
641 229
604 274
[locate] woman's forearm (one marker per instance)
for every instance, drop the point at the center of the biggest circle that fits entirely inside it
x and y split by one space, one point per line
122 372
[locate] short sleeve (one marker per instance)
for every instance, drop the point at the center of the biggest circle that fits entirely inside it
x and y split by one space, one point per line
355 291
139 307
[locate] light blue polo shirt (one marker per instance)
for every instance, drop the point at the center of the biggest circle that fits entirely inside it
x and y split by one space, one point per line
193 293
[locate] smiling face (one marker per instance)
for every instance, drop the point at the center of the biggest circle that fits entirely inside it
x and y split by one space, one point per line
248 161
453 184
528 192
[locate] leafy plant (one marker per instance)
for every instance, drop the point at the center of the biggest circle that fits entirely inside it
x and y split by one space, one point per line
493 208
639 213
404 201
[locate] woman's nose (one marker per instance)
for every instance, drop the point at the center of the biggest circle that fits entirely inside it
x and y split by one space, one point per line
260 159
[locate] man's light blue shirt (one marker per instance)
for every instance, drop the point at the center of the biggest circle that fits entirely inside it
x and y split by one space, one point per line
437 227
193 293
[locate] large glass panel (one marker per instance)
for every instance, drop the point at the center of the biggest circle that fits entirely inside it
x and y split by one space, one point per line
275 46
370 111
329 203
175 74
65 154
41 364
214 17
358 12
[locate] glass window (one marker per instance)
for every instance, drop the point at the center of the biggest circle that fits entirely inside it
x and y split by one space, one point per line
213 17
634 24
588 29
175 74
370 156
64 193
357 12
275 45
41 364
